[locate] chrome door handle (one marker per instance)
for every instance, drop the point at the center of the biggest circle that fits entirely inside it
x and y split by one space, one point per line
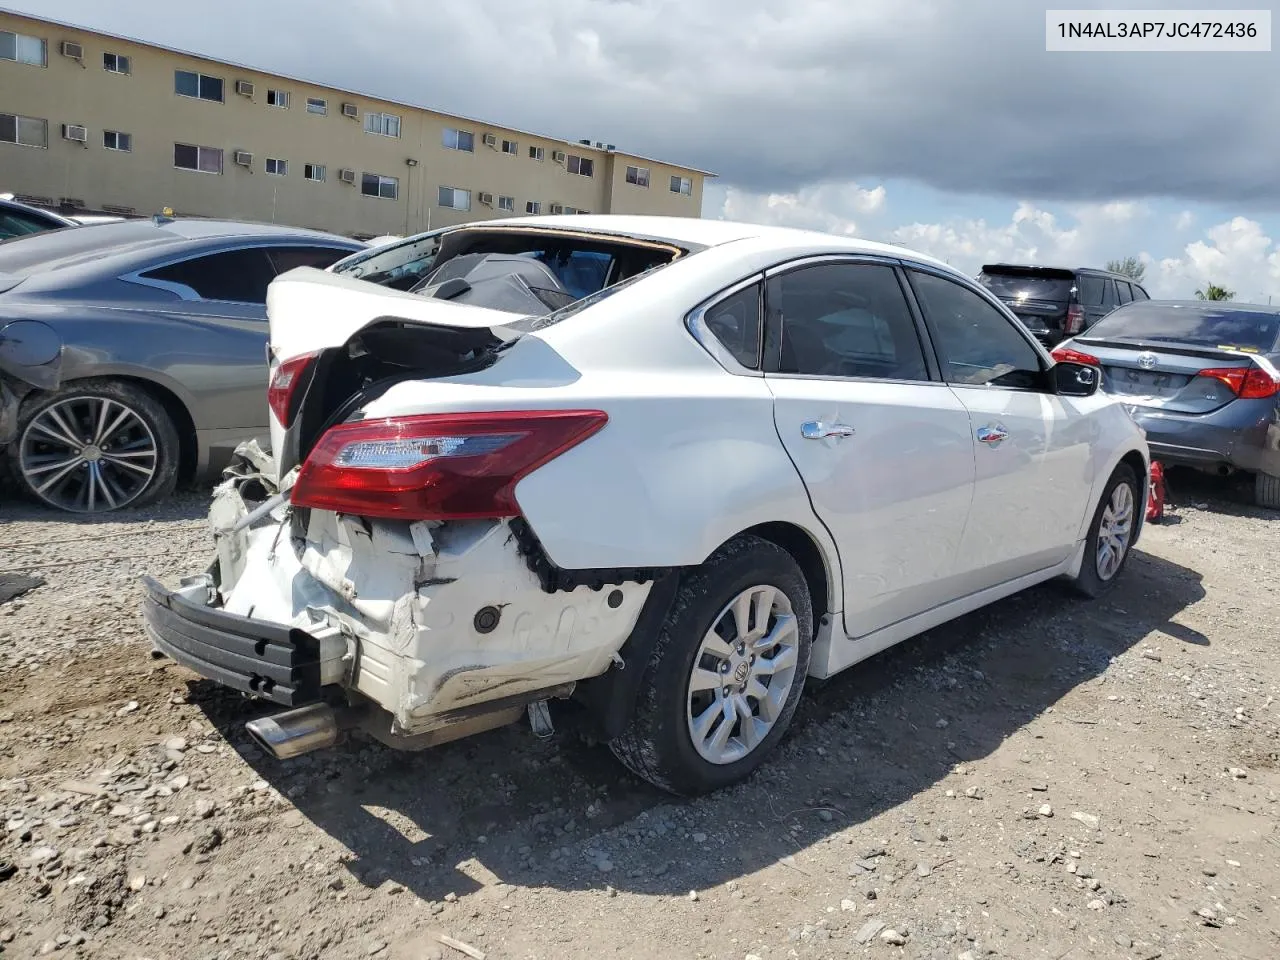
821 429
992 436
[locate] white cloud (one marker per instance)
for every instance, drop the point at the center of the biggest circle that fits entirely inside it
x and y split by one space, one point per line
1184 221
1237 254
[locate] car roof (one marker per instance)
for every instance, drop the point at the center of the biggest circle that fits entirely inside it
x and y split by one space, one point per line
989 267
700 233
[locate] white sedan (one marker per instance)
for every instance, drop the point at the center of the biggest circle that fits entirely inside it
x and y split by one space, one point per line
665 468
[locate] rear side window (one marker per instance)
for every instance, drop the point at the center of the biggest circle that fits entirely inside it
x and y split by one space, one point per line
240 276
1092 291
284 259
735 321
845 320
1126 293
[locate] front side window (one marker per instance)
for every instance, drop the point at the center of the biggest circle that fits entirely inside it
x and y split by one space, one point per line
735 322
116 63
24 131
453 198
1126 292
581 166
188 156
376 185
115 140
382 124
976 343
458 140
1139 293
23 49
845 320
239 276
197 86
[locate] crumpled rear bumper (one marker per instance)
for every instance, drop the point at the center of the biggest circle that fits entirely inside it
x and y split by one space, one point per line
269 660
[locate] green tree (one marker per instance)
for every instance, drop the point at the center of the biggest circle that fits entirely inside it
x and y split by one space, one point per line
1131 267
1215 292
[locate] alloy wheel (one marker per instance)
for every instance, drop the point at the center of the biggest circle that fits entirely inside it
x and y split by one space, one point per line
88 454
1115 532
742 674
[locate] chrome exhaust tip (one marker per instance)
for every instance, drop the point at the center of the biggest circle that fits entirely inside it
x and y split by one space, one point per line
295 732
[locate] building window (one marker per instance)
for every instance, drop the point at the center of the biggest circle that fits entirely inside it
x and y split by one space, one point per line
383 124
188 156
278 98
115 140
537 153
459 140
115 63
533 207
277 168
682 185
507 203
317 106
198 86
455 199
23 49
582 166
24 131
313 171
374 185
510 147
638 175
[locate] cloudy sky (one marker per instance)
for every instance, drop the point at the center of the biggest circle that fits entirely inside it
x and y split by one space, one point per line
940 124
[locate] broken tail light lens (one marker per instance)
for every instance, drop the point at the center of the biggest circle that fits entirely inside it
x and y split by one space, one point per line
1067 355
284 385
454 466
1247 383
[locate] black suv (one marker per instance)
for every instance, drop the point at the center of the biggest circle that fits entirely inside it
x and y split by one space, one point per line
1058 302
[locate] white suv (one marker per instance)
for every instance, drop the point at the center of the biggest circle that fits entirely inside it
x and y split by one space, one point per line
666 468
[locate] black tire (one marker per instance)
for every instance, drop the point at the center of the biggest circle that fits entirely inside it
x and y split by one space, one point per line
1089 582
145 407
658 745
1266 491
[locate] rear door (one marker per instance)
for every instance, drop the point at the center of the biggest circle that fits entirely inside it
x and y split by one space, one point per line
883 446
1032 448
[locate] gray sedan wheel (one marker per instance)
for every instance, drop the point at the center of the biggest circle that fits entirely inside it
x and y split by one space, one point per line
96 446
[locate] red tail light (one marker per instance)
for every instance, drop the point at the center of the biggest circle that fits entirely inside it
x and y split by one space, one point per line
1247 383
1075 320
284 383
439 466
1067 355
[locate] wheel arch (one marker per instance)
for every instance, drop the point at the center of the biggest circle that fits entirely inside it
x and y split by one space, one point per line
808 555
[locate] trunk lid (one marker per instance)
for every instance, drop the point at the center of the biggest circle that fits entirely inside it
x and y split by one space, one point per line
362 335
1164 376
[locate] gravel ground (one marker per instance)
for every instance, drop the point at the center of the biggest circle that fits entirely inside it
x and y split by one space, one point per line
1046 779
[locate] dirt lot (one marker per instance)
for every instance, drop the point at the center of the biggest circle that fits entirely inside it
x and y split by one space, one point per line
1048 778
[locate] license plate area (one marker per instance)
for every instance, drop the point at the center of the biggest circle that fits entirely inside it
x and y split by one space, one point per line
1144 383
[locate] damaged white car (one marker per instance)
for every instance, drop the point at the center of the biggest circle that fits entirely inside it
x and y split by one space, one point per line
664 468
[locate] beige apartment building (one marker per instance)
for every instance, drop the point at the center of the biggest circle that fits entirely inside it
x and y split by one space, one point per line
93 121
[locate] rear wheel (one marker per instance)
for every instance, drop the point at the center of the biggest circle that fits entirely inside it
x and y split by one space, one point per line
726 673
96 446
1266 491
1111 534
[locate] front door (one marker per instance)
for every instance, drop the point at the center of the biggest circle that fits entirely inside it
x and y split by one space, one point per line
1032 448
883 449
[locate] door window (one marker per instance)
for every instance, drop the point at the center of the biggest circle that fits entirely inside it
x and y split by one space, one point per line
976 343
1109 301
237 275
845 320
1091 291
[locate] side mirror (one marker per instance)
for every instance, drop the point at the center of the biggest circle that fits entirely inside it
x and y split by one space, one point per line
1075 379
